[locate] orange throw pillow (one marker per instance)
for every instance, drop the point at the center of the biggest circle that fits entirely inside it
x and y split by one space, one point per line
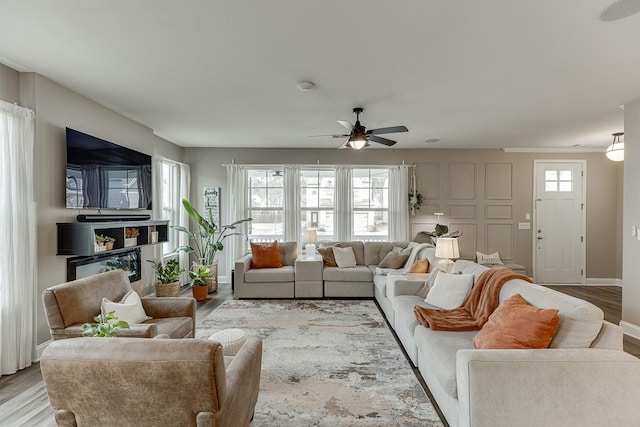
265 255
328 258
516 324
420 266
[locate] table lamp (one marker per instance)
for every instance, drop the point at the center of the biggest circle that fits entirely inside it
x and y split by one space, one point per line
309 238
447 248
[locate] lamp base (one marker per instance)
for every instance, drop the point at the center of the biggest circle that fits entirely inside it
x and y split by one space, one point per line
445 265
310 251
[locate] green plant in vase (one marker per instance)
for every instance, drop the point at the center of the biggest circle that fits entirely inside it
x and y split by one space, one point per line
200 281
167 273
109 326
205 243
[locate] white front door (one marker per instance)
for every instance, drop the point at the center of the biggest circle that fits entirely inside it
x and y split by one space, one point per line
559 240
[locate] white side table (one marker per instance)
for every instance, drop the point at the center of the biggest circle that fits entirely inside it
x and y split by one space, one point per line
308 271
231 340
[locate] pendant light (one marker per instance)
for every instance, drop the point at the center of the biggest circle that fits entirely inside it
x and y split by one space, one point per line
615 151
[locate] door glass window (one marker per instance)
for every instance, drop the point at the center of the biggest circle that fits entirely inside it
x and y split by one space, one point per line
558 180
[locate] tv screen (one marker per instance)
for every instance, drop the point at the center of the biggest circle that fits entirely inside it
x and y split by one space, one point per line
104 175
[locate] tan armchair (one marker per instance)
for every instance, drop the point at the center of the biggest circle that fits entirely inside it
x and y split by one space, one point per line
69 305
151 382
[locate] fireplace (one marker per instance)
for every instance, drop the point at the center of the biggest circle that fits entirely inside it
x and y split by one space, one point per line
85 266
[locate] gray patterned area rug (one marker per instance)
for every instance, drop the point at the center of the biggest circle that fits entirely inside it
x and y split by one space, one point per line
327 363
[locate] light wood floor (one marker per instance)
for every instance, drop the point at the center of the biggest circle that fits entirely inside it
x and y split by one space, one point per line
608 298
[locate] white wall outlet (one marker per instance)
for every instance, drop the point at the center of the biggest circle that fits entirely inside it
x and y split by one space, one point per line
634 231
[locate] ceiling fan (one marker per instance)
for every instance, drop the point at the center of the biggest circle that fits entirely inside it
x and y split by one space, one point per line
359 136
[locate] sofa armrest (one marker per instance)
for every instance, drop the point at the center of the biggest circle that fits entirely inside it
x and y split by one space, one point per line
241 266
585 387
165 307
242 384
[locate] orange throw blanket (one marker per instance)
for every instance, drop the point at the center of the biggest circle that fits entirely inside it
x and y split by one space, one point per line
477 307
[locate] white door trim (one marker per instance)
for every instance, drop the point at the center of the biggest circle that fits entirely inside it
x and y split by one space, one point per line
584 213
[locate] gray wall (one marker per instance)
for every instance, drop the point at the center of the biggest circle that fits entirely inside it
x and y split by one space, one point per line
603 180
631 244
57 108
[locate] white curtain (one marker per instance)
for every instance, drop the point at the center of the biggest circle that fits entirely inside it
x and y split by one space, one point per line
18 275
236 209
399 203
342 217
292 230
184 186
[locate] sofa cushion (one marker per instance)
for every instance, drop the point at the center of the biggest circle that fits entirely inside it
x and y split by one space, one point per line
468 267
403 308
265 255
449 291
420 266
174 327
360 273
516 324
328 260
358 249
393 260
374 252
439 348
380 282
288 252
270 275
580 321
129 309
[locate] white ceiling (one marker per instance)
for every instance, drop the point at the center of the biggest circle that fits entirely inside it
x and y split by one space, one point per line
475 74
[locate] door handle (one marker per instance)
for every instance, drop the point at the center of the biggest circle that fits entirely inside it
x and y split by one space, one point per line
539 238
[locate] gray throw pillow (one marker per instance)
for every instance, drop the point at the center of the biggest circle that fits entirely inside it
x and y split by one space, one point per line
393 260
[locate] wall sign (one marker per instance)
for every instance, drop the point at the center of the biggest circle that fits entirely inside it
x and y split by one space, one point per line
211 202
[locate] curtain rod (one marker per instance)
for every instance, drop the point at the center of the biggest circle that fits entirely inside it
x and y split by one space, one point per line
312 165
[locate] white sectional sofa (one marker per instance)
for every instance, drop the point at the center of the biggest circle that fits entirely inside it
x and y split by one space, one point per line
583 379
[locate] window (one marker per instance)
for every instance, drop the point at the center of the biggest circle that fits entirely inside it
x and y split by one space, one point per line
317 200
170 204
558 180
370 204
265 205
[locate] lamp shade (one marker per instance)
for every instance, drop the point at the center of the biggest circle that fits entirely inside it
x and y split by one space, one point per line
310 236
447 247
615 151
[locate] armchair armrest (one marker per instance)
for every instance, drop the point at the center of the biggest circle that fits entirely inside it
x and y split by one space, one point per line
165 307
243 383
586 387
140 330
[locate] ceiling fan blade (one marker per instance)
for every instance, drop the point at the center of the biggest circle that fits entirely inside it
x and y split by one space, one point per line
392 129
347 125
381 140
332 136
345 145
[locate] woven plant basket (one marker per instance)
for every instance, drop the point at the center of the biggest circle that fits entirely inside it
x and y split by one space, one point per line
168 289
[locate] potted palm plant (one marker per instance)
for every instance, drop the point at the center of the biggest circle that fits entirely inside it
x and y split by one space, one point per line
200 278
168 277
208 240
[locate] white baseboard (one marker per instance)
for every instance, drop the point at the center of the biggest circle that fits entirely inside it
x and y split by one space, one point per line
223 279
630 329
40 348
603 282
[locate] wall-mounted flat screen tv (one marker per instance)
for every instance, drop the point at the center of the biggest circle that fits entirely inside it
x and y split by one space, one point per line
104 175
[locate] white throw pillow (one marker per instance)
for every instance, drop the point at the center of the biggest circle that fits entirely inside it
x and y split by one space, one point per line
345 257
129 309
493 258
449 290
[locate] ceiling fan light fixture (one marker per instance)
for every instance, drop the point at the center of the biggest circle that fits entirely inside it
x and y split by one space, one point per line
358 142
615 152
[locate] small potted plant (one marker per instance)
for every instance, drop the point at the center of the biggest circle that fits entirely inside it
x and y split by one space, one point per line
200 278
168 277
131 236
109 242
109 326
99 243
